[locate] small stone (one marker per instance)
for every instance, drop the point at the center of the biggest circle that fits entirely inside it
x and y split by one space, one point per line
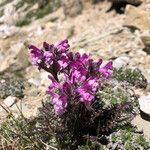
137 18
34 81
44 78
121 62
121 147
9 101
40 79
7 31
2 81
119 142
144 103
110 145
114 146
140 131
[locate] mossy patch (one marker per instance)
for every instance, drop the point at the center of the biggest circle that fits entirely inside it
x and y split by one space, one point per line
132 76
130 138
11 86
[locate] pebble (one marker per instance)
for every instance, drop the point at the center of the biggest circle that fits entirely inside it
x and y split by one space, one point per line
9 101
114 146
109 146
34 81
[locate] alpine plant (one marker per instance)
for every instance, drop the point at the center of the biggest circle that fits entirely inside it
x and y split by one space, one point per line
81 76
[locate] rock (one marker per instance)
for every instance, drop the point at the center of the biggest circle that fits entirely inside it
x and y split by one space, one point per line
34 81
10 15
72 7
137 18
16 59
144 103
7 31
146 41
36 77
22 58
114 146
9 101
121 62
44 78
109 146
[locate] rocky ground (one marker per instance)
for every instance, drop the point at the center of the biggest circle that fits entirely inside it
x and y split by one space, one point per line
125 38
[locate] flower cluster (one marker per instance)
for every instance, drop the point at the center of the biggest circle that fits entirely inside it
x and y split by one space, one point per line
81 74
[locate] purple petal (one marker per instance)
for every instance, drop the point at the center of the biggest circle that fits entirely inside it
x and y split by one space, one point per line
54 83
105 71
62 46
36 55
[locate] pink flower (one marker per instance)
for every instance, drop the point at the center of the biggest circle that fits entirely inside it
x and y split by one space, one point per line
105 70
87 89
59 102
62 46
36 55
81 74
50 56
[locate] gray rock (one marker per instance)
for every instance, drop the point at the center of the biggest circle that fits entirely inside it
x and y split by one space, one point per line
7 31
114 146
144 102
34 81
121 62
40 79
110 145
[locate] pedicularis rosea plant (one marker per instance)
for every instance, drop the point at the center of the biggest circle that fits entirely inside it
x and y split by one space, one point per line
75 80
82 76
